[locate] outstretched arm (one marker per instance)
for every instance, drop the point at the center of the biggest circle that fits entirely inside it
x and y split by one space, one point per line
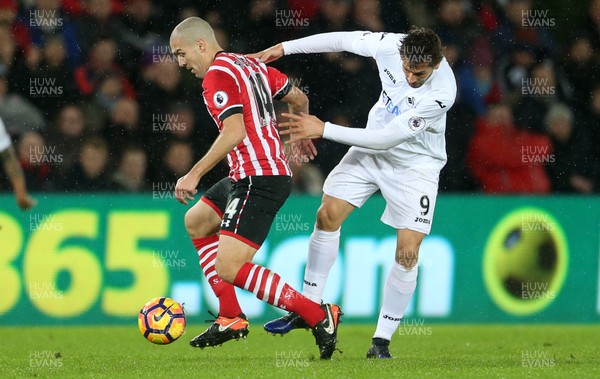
359 42
307 126
401 128
297 102
232 134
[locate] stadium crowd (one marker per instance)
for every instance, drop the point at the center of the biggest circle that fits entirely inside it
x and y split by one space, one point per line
94 101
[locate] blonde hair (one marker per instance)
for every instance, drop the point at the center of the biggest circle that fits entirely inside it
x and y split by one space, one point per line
194 28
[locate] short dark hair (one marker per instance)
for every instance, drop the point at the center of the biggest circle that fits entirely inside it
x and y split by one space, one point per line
421 45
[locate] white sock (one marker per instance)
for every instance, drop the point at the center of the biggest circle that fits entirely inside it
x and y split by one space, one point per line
397 293
322 252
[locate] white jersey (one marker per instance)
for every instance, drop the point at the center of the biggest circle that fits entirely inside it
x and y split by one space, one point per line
4 137
414 119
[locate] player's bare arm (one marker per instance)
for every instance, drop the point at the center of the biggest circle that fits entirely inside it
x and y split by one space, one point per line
232 134
16 178
269 55
302 126
298 104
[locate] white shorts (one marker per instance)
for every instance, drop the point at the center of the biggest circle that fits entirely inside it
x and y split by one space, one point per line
410 194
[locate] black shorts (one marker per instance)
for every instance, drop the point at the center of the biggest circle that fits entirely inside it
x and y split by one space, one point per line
248 207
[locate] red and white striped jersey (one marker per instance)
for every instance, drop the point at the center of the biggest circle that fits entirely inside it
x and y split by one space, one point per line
234 84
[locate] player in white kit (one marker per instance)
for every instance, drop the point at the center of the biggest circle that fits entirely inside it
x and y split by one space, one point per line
11 165
400 152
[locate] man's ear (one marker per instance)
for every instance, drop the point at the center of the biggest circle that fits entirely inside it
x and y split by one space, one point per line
201 45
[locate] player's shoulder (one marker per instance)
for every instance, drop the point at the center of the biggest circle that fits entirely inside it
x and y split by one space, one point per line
232 62
222 61
380 36
222 67
444 81
388 43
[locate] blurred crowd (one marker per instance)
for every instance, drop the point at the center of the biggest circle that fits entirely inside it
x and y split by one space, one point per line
95 101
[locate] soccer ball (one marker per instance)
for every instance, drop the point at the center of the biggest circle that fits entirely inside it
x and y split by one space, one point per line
525 262
162 320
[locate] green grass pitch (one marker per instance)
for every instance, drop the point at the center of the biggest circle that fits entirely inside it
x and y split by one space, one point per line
437 351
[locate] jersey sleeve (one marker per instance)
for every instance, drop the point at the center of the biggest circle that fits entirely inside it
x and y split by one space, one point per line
402 128
363 43
279 83
221 94
4 137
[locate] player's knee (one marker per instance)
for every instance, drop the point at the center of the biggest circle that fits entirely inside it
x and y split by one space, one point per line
225 270
191 223
198 224
327 219
407 256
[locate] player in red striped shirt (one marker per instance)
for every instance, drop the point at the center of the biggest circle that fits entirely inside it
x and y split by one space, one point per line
238 93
